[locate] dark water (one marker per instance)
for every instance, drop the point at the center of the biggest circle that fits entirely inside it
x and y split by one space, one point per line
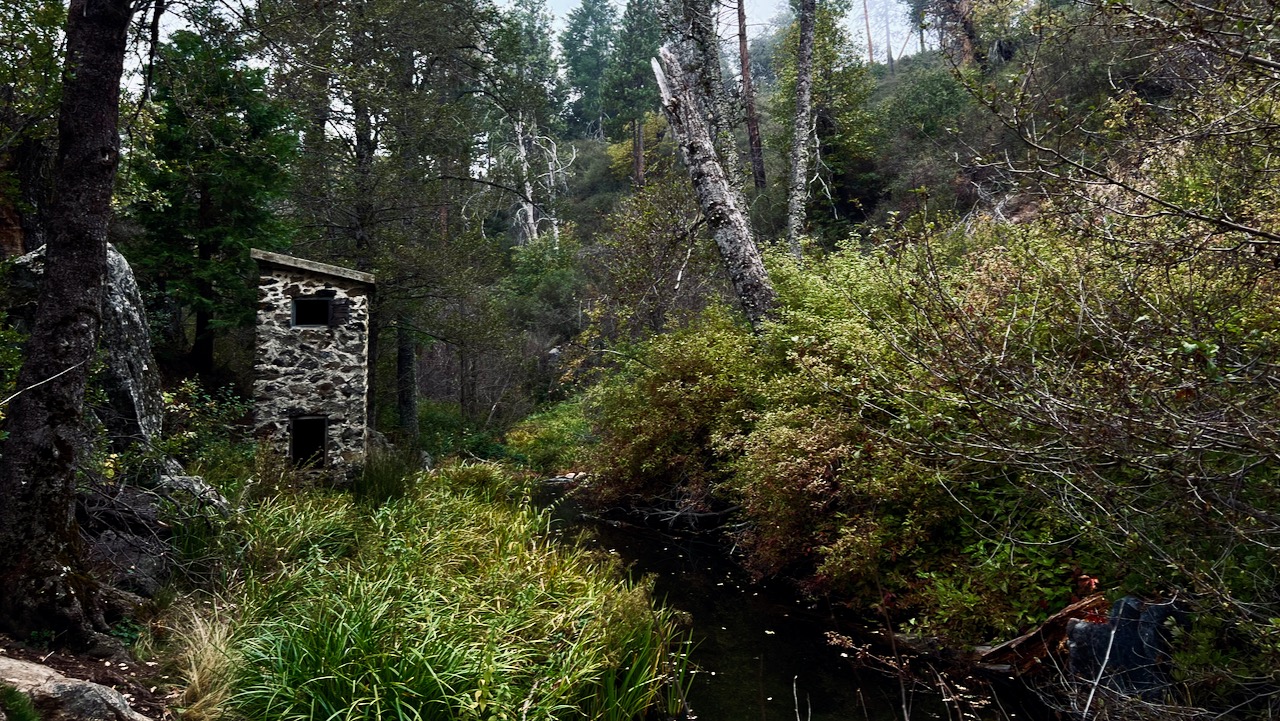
761 653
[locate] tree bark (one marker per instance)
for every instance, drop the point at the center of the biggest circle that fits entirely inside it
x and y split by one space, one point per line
749 101
407 380
697 47
527 216
637 152
43 584
798 190
716 196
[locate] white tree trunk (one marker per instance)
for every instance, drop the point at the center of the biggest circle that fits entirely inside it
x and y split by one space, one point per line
798 190
526 218
720 203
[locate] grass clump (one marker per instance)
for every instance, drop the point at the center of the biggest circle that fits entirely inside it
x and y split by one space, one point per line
16 705
450 602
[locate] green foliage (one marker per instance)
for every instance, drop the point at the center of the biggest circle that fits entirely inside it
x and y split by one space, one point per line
446 603
657 413
888 438
208 432
553 440
841 86
387 475
650 269
586 44
629 89
16 705
207 178
446 433
30 70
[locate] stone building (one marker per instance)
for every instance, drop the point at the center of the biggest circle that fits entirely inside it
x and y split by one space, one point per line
311 364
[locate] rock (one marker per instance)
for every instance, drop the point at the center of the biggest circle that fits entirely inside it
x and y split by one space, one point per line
1130 652
58 698
134 563
194 487
131 381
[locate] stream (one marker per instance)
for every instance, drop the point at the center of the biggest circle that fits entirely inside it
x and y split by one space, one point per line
761 652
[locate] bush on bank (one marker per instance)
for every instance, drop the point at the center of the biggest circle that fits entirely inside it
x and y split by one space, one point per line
967 430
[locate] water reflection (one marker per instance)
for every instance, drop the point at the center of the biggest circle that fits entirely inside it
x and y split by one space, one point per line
759 652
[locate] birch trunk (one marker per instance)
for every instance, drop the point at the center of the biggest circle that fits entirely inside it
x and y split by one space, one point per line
798 190
720 203
527 219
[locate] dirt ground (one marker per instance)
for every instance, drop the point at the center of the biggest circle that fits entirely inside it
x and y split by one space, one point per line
143 684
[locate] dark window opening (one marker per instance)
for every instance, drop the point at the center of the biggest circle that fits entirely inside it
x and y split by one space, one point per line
311 311
308 440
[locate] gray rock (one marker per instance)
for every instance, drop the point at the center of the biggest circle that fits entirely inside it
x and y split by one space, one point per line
176 485
131 379
1130 652
59 698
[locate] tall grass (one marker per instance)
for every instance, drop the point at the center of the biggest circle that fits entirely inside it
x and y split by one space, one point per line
450 602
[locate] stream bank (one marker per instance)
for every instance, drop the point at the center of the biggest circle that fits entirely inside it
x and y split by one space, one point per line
762 651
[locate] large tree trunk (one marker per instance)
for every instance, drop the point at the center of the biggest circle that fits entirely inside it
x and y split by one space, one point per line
716 196
798 189
749 101
43 585
692 23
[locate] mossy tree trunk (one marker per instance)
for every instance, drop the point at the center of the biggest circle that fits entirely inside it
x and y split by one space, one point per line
801 131
42 583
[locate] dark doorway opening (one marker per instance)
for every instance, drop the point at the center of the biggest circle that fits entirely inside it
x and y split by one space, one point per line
309 440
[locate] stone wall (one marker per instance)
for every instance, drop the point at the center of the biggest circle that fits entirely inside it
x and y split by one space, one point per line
312 371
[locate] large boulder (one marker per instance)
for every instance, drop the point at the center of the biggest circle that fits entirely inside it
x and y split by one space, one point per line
58 698
127 540
130 379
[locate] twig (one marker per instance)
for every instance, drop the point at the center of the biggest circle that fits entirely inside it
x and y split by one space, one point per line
55 376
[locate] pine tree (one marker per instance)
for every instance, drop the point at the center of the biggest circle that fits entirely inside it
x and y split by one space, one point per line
586 46
217 161
629 87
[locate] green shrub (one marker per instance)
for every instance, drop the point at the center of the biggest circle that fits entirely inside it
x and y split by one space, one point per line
657 414
554 440
387 475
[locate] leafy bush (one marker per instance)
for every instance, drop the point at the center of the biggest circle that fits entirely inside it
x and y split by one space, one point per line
656 415
16 705
968 431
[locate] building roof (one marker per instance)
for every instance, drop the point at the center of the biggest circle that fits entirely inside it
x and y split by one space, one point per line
288 261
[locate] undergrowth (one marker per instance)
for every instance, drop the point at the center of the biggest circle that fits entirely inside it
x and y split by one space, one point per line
446 601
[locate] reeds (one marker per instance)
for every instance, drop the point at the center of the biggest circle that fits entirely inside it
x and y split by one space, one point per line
450 602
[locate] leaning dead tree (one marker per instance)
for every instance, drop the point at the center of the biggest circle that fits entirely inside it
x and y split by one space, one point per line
683 104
